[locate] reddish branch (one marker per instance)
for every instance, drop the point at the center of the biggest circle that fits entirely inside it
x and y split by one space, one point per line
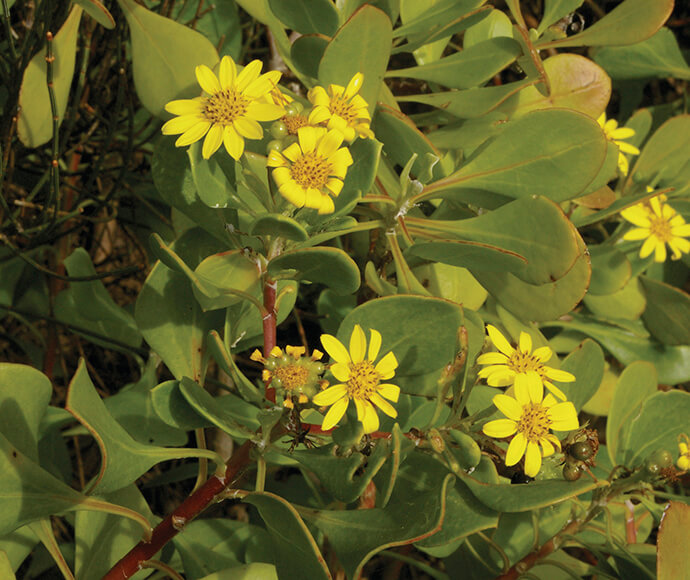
174 523
132 562
270 323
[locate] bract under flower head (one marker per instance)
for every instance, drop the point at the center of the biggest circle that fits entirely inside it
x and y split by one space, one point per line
616 134
657 224
230 111
310 173
342 108
291 373
530 418
360 380
520 366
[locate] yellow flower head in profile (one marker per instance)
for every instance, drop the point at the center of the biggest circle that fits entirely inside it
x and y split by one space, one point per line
657 224
230 111
520 366
310 173
530 418
616 134
342 108
683 462
360 380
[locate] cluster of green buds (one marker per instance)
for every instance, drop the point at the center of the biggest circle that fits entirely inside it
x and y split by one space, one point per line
579 450
294 376
284 130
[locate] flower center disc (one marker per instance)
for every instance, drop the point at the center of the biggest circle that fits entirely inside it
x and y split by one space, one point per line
343 109
294 122
363 380
660 229
534 423
226 106
292 376
311 171
522 362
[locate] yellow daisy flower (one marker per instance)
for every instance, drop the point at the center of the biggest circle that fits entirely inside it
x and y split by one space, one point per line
616 134
520 366
684 459
530 417
361 380
230 113
342 108
312 170
657 224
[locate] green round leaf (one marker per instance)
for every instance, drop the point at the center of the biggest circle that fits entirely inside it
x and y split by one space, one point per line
306 16
421 331
275 224
164 56
329 266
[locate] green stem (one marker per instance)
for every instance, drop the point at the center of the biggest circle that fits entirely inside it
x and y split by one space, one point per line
8 29
54 166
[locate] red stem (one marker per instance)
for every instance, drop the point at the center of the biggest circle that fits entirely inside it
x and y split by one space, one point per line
270 323
132 562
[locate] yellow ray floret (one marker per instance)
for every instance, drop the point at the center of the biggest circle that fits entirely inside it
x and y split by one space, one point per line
310 173
616 134
361 380
229 111
530 419
520 366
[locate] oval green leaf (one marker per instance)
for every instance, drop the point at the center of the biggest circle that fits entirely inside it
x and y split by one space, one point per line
329 266
35 119
362 45
521 161
164 56
306 16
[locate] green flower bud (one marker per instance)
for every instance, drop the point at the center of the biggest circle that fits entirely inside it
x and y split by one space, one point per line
294 108
279 129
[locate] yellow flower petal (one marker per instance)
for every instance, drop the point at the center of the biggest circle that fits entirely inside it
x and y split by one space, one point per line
248 128
248 74
525 343
335 413
374 344
264 111
508 406
500 428
186 106
234 144
227 73
341 371
181 124
193 134
542 354
384 405
207 80
555 390
390 392
212 142
358 344
499 341
535 386
516 449
330 395
559 375
532 459
386 366
335 349
563 417
308 136
492 358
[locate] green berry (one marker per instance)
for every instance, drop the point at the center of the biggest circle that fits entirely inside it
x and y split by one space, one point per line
318 368
274 145
294 108
662 457
571 472
581 451
270 364
279 129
